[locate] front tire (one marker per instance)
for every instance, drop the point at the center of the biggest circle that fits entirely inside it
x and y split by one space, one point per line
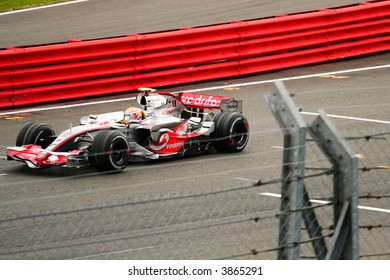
231 133
39 134
110 151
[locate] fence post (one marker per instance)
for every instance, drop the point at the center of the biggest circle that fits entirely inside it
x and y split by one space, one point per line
294 130
345 241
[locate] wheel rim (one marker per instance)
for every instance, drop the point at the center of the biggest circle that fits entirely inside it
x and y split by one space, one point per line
239 134
42 139
118 153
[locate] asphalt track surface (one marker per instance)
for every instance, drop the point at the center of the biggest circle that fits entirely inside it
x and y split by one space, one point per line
180 209
106 18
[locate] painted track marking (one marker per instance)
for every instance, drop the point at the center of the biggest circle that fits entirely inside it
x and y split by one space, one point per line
297 77
325 202
202 89
113 253
67 106
347 118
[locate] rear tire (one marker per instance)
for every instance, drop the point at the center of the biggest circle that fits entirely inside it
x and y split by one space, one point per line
231 133
110 151
39 134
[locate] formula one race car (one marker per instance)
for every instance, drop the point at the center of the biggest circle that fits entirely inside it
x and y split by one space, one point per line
168 125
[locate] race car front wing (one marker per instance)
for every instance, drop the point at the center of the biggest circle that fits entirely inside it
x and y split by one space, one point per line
36 157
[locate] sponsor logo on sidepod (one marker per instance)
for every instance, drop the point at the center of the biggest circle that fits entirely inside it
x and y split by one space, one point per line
164 144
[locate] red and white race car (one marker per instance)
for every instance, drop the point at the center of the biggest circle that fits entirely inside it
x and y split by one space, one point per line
168 125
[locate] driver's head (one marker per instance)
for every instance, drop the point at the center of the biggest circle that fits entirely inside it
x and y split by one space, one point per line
133 114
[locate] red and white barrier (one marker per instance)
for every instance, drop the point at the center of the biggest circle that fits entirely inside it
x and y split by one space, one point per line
79 69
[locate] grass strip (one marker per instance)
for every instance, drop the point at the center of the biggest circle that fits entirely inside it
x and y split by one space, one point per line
10 5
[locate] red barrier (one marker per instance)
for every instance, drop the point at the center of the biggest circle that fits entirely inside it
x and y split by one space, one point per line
78 69
184 57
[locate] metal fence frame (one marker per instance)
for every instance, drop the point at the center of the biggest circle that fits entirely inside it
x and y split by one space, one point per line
295 203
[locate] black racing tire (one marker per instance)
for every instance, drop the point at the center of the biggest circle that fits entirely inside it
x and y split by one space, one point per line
22 133
40 134
110 151
231 132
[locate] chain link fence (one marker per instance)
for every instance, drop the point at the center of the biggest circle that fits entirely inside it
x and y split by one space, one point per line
227 219
371 143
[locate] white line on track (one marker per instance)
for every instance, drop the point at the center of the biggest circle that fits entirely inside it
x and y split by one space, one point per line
296 77
201 89
347 118
278 147
3 174
112 253
66 106
244 179
42 7
325 202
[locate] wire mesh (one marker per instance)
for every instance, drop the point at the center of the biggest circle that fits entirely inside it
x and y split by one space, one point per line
371 143
233 217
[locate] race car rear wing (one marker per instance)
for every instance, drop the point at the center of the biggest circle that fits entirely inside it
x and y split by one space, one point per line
150 98
201 101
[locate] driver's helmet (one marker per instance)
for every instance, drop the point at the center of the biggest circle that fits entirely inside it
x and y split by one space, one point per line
133 114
